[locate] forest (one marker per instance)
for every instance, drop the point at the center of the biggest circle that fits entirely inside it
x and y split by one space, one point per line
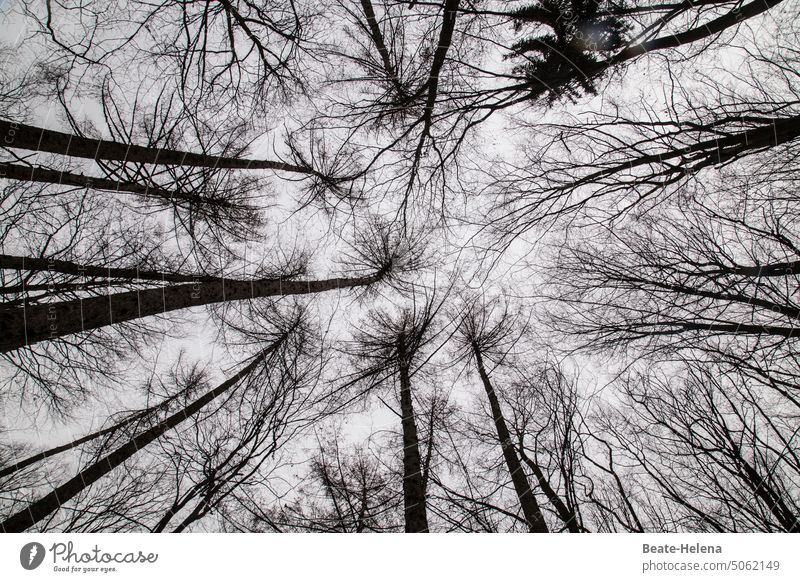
399 266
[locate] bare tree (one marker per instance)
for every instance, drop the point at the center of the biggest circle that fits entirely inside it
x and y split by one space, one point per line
485 335
609 164
284 335
345 491
28 324
714 274
388 346
712 445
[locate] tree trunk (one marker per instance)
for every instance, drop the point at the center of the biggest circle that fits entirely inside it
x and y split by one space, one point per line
712 151
527 500
711 28
380 44
40 509
566 514
132 418
38 139
19 465
70 268
63 178
21 326
413 488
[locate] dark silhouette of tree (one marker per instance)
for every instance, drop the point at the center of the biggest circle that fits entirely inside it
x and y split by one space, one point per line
25 325
484 335
390 345
612 164
285 334
566 58
581 30
556 454
666 282
39 139
345 491
713 447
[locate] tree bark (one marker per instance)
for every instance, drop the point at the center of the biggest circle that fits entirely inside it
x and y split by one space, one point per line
21 326
527 500
416 515
41 508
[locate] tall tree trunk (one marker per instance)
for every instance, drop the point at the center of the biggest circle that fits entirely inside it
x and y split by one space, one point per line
566 514
380 44
16 263
39 139
416 514
21 326
132 418
33 459
711 152
527 500
63 178
41 508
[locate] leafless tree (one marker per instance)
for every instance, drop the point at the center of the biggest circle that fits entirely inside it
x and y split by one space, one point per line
345 491
714 275
710 442
485 334
389 346
261 408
